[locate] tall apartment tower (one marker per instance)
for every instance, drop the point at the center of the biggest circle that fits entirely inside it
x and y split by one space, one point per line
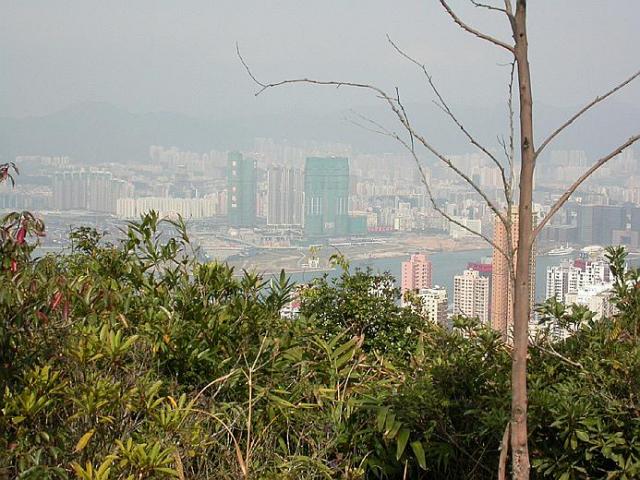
596 223
561 279
326 196
471 295
434 304
242 185
96 191
285 196
501 291
416 273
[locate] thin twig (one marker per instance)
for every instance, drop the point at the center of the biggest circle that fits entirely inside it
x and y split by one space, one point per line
488 7
553 352
443 105
410 147
504 451
565 196
475 32
397 109
511 156
584 109
508 8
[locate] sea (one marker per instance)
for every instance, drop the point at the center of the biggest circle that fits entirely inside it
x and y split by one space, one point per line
445 265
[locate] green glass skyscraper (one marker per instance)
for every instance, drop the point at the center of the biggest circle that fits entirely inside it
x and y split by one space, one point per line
326 196
241 190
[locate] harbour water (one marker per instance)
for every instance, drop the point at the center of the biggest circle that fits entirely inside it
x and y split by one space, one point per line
445 266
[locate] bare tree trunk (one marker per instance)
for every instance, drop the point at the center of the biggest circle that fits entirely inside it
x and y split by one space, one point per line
522 305
521 279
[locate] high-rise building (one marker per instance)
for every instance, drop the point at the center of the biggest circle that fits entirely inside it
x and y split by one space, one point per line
485 268
326 196
471 295
285 196
457 232
596 223
561 279
242 185
571 277
501 285
434 304
596 298
168 206
416 273
96 191
635 218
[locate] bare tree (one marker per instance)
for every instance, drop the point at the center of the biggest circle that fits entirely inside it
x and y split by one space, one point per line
518 252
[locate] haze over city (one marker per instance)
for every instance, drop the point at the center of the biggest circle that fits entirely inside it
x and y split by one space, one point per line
142 102
350 240
168 73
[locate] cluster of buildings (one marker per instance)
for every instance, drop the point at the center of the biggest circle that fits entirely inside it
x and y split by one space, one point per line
314 200
471 290
298 191
484 290
282 195
586 280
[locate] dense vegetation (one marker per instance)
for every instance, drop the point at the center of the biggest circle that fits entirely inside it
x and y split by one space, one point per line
134 360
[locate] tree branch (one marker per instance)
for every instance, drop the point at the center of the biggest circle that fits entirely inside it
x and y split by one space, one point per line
508 8
584 109
551 351
504 452
475 32
450 164
442 104
398 110
565 196
488 7
410 147
512 152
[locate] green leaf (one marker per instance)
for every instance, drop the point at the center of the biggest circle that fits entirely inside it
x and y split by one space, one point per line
18 419
573 442
394 430
167 470
401 442
381 417
582 435
391 418
418 451
84 440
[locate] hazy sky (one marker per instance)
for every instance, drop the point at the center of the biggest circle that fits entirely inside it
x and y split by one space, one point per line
161 55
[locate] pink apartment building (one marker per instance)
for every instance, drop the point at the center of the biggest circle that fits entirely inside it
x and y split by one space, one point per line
416 273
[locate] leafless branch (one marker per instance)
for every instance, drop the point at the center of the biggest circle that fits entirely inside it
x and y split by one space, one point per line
504 451
583 110
475 32
410 147
488 7
512 152
442 104
413 134
551 351
565 196
397 109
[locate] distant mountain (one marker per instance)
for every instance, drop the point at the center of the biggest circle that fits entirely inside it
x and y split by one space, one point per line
100 132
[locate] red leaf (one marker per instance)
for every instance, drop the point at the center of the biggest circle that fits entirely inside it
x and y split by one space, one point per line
14 266
22 232
56 300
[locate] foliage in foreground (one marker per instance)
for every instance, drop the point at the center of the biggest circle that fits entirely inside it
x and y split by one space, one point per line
136 361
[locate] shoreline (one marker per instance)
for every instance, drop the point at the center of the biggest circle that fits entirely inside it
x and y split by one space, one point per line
273 261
